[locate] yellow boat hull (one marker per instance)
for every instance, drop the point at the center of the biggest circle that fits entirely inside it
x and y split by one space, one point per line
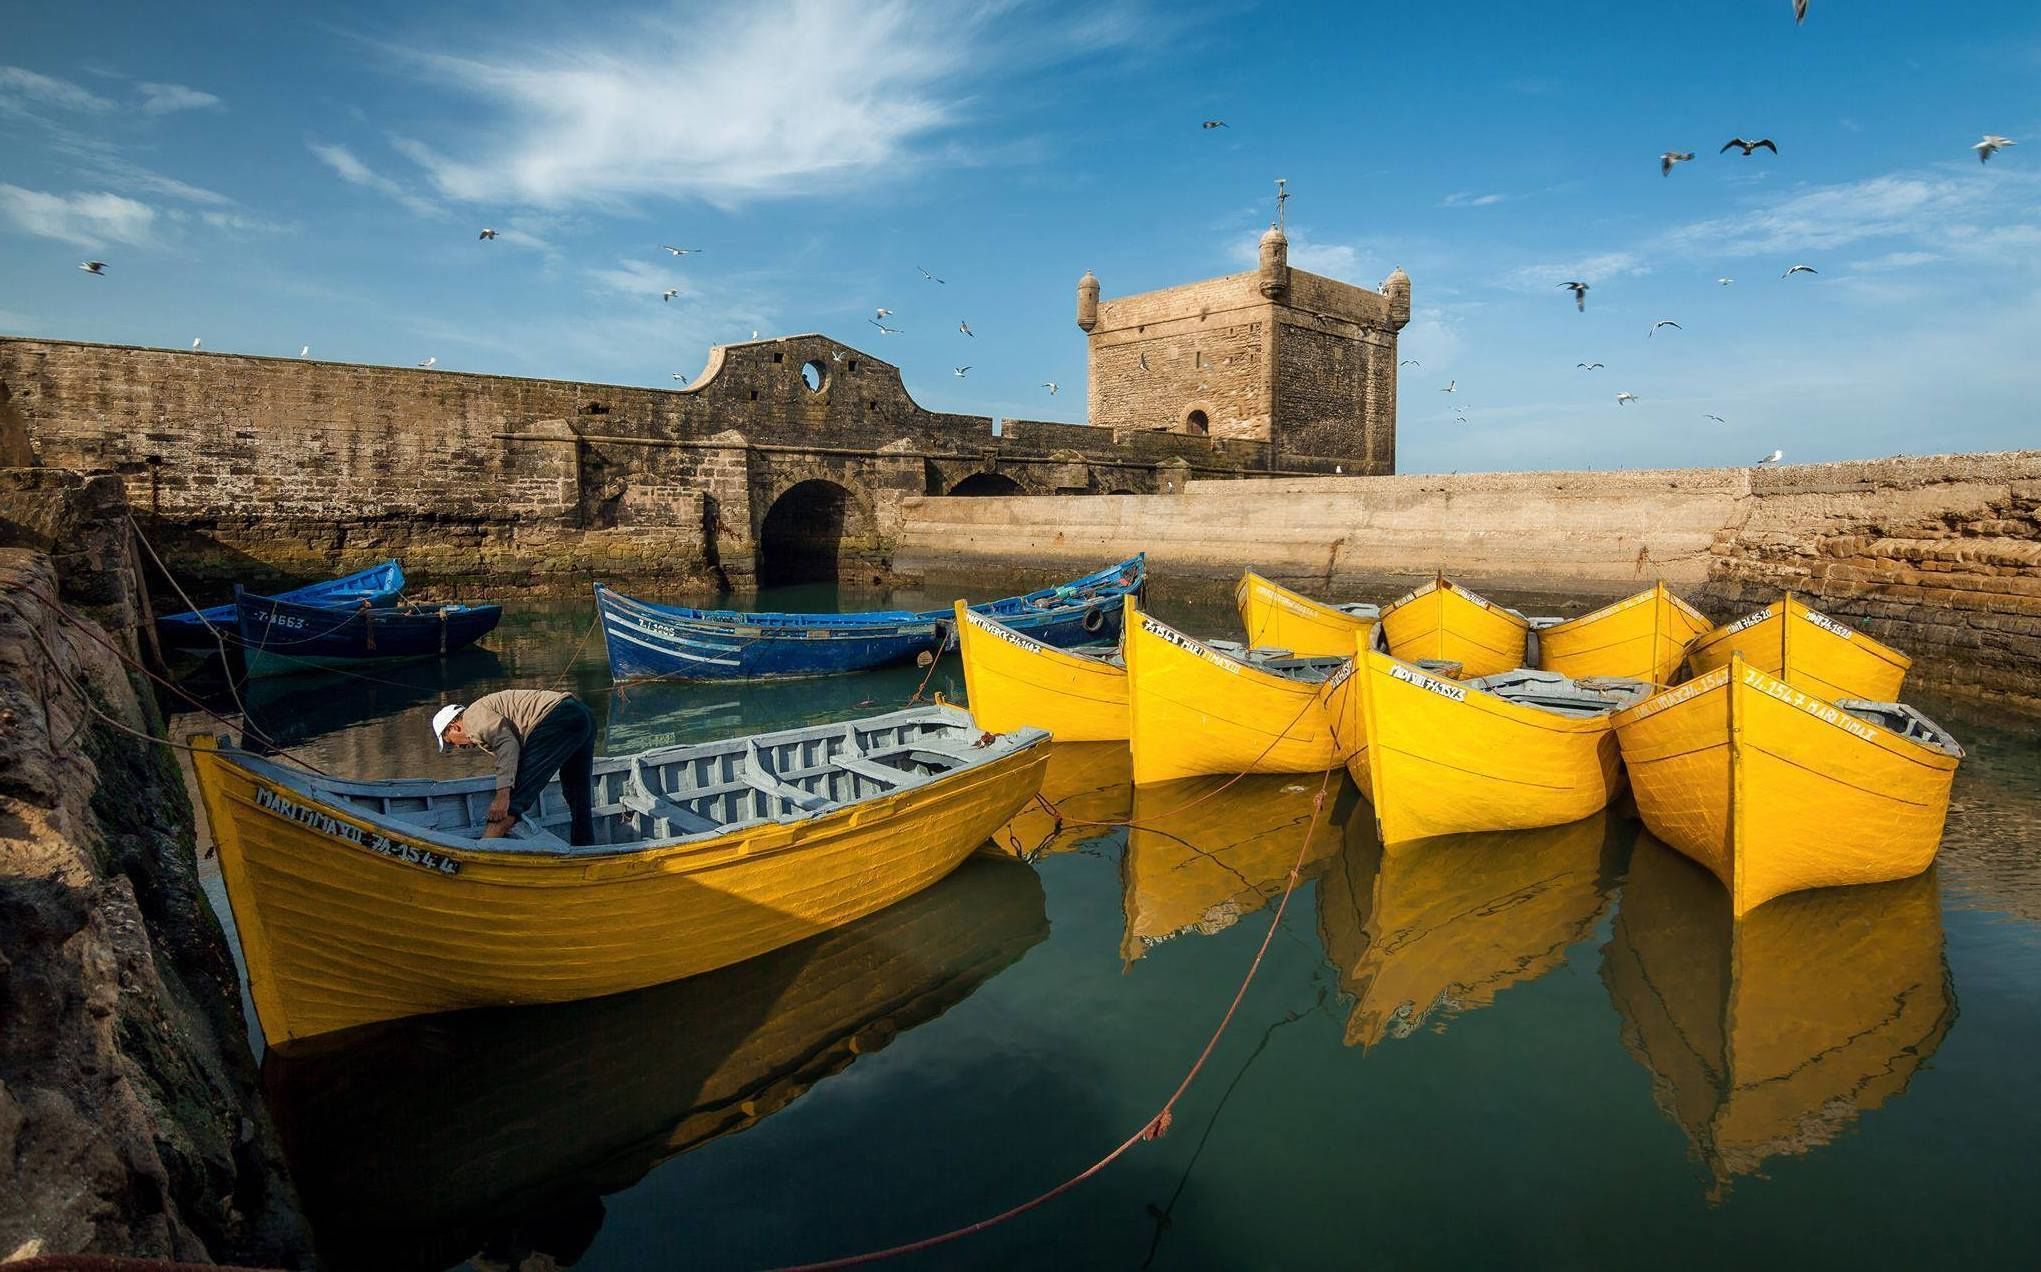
1195 712
1446 759
1014 681
1808 650
1420 933
1446 622
1274 617
1642 638
1205 852
1775 790
1772 1033
336 935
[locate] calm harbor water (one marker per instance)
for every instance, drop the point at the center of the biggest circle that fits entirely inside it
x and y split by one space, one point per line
1547 1049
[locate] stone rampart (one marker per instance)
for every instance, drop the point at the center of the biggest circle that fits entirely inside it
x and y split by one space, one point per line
1939 555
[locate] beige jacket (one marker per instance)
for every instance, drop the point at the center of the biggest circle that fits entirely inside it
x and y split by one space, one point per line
500 722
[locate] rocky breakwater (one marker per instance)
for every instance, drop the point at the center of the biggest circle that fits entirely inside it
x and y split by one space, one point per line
131 1120
1939 555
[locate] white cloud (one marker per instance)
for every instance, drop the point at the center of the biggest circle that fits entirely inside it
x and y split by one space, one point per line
1591 269
1827 217
18 85
88 220
162 99
353 171
638 278
1467 199
788 98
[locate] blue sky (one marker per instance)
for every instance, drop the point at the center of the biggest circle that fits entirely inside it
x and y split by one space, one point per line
267 180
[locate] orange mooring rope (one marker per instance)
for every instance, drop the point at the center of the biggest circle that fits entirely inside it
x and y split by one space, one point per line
1154 1128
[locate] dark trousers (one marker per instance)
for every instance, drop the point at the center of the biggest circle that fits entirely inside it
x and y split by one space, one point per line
563 743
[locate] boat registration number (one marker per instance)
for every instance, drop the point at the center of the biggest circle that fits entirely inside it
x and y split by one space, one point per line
275 619
1829 625
1749 621
1807 702
1455 693
349 833
1002 632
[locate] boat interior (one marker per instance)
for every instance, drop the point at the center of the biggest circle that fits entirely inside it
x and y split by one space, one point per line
1905 721
679 793
1550 691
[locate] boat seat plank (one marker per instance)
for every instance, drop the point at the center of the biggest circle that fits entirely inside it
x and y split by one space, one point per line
759 777
887 776
641 795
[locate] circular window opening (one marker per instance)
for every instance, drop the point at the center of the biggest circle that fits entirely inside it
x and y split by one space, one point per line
814 374
1196 422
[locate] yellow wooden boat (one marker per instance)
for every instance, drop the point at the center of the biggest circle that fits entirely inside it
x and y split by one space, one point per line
1775 789
364 901
1422 933
1448 623
415 1143
1508 752
1773 1033
1808 650
1277 618
1089 787
1013 680
1642 638
1195 710
1203 853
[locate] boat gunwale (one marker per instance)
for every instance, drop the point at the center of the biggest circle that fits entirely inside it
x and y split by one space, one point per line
1495 703
1617 607
1779 610
1061 656
1199 649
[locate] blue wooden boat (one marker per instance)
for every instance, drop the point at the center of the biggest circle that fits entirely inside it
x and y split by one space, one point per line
648 641
193 629
279 636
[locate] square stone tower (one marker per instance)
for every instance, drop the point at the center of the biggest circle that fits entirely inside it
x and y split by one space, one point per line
1303 362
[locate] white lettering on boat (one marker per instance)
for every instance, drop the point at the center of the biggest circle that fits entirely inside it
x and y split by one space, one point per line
1673 697
1812 706
1185 643
275 619
1455 693
1829 625
1338 678
1749 621
1005 633
349 833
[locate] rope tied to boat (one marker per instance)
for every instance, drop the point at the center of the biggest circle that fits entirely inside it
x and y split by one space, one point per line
1151 1130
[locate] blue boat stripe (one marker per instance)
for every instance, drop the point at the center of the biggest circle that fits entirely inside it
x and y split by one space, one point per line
679 640
675 653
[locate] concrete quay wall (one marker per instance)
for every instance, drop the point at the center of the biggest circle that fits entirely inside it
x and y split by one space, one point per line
1939 555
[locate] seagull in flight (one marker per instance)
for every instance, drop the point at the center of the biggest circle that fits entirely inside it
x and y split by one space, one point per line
965 327
680 251
1748 146
1724 282
1052 386
194 342
1800 269
1589 366
93 267
884 330
429 362
1625 399
1991 145
925 274
486 233
1213 123
305 352
1799 12
1452 386
1671 157
878 314
1718 419
678 376
962 372
669 293
1772 458
1410 362
1664 322
1579 291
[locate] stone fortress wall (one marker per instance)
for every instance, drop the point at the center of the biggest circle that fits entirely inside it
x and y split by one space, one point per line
1940 555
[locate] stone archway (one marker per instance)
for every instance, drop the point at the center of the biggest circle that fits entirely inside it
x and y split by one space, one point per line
988 484
810 531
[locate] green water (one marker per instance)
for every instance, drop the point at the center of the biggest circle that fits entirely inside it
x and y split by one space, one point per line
1544 1052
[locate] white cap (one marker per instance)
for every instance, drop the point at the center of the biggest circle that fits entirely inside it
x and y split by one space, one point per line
442 718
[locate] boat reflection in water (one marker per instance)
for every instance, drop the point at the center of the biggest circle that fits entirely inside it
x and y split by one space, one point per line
1771 1034
291 711
655 713
1090 785
1424 930
1205 851
418 1143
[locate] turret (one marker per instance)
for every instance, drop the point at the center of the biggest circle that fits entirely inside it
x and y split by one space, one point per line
1087 301
1397 288
1275 264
